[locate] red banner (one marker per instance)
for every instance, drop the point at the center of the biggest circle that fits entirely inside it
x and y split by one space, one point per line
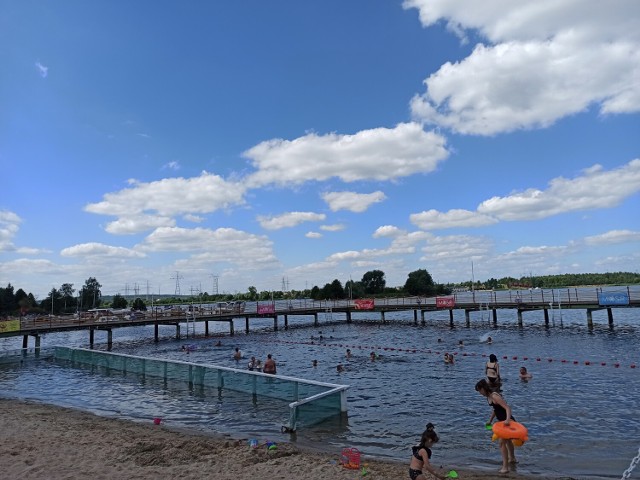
364 304
266 308
445 302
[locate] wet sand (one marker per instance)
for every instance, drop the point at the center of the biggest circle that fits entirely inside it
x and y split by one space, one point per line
48 442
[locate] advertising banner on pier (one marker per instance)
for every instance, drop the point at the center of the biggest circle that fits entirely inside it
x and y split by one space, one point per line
613 298
10 326
364 304
445 302
267 308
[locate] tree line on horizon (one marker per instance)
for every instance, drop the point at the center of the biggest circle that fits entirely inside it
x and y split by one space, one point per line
64 300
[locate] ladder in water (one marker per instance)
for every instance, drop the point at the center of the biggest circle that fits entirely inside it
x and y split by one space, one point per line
553 314
191 323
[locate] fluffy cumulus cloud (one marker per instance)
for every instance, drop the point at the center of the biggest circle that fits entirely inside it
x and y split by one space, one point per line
209 246
376 154
594 189
289 219
540 61
9 225
93 249
352 201
140 223
613 237
168 197
435 220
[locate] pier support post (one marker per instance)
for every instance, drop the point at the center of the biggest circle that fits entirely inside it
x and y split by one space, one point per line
415 317
231 331
206 328
315 319
91 336
177 331
246 324
382 317
275 323
589 318
156 335
109 339
286 321
467 318
451 317
495 316
519 317
610 316
546 317
25 341
424 322
37 338
348 317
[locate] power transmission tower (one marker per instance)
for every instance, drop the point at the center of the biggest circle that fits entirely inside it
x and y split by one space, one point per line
177 279
214 290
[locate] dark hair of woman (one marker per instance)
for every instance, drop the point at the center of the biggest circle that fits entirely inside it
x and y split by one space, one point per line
493 358
483 385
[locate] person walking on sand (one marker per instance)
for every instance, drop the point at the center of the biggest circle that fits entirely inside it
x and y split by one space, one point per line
269 365
492 371
421 454
502 412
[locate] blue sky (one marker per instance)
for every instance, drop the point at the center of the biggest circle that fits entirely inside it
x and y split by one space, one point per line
259 141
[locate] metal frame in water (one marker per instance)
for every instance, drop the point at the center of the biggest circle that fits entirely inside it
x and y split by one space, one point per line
311 401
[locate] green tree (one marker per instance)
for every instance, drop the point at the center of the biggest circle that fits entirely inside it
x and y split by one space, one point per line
119 301
7 300
68 299
138 304
374 282
90 295
253 293
419 282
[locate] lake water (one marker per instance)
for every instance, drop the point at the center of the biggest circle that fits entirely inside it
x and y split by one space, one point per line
583 419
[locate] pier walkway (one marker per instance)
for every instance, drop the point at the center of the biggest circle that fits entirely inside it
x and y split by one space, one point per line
523 301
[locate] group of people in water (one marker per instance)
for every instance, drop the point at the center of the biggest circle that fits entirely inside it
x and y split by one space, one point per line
489 387
255 365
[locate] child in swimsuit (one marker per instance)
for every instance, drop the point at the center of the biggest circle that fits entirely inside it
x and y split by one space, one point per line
421 455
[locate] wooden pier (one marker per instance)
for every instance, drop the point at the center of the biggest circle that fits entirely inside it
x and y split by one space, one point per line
523 301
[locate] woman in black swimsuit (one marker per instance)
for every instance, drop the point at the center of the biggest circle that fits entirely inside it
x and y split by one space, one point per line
422 454
502 412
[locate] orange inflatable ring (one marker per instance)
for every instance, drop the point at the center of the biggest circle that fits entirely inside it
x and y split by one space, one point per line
514 431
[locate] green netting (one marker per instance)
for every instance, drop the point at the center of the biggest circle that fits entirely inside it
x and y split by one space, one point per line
282 388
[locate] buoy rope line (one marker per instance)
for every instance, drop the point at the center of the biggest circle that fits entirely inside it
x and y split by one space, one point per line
463 354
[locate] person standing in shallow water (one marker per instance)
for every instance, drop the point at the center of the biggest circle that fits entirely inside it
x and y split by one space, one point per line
421 454
492 371
269 365
502 412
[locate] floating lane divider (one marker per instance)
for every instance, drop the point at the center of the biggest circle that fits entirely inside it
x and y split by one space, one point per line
462 354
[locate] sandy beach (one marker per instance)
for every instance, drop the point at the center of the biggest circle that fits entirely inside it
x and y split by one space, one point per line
48 442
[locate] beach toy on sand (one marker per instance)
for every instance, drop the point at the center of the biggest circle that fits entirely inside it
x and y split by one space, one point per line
271 446
451 474
351 458
157 421
253 443
515 431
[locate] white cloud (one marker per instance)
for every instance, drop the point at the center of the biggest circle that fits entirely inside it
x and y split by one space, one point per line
289 219
596 188
544 60
94 249
377 154
313 235
9 226
174 165
193 218
140 223
456 218
352 201
171 196
332 228
42 70
613 237
387 231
